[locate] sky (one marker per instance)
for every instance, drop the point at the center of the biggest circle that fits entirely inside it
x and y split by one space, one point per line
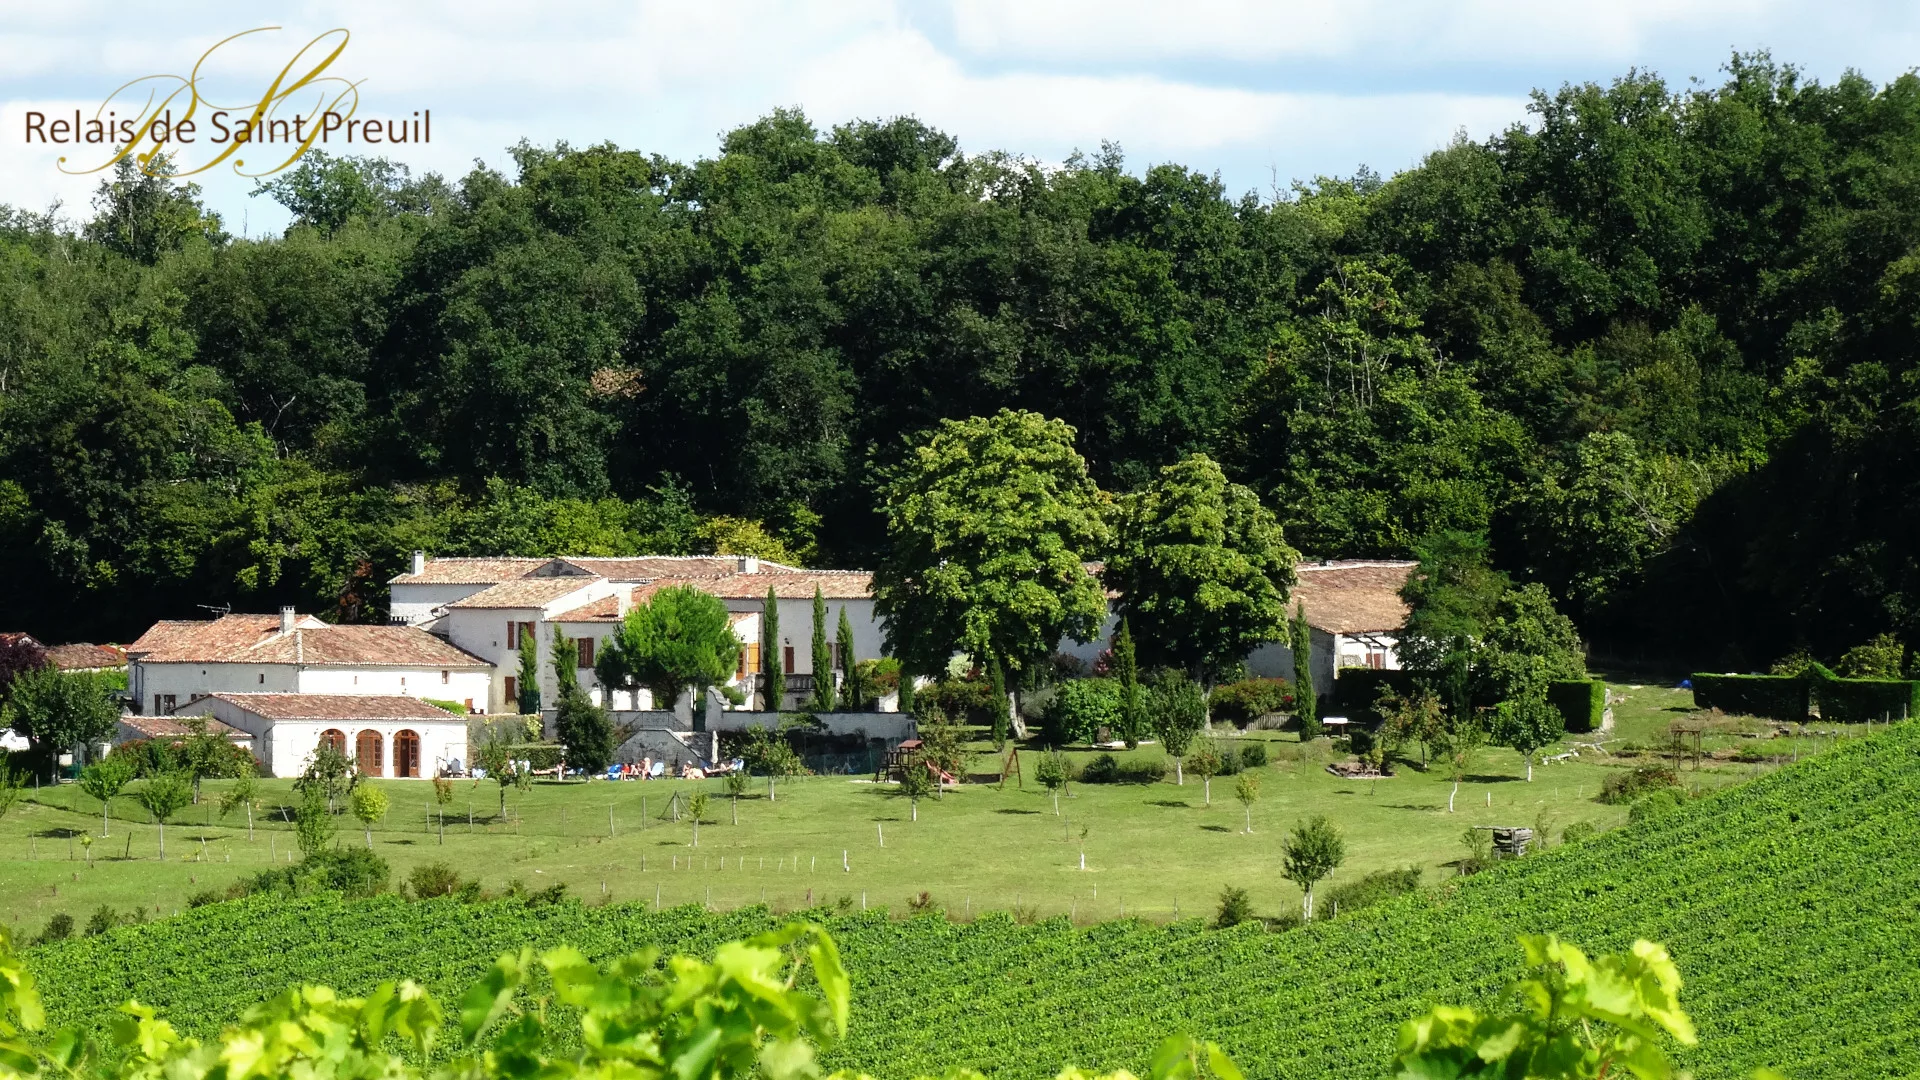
1259 93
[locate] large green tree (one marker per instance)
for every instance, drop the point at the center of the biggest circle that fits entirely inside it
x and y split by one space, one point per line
989 523
680 639
57 711
1201 568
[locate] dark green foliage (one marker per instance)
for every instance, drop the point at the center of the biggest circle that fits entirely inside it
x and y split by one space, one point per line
1107 769
962 701
1254 754
1578 831
1581 703
1081 710
1248 700
1655 803
773 666
1375 888
527 689
998 707
585 731
348 870
1126 671
843 643
1235 908
1178 710
1775 697
1625 787
1306 707
822 657
1357 689
58 928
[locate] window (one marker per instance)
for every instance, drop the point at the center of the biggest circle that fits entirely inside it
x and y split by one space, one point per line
749 661
263 678
163 704
335 738
513 691
513 635
586 651
526 632
788 660
445 678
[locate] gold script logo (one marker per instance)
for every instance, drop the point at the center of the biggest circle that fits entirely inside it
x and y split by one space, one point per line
177 124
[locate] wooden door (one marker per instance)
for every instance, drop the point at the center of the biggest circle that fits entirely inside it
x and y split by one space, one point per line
366 753
406 753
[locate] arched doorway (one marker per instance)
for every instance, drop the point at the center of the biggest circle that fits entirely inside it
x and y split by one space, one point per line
335 738
366 753
406 753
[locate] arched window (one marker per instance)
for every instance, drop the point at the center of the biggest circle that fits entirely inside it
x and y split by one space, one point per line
366 753
406 753
335 738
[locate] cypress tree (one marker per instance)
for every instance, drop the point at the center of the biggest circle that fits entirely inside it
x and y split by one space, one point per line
1127 670
822 656
844 635
1305 707
906 690
528 692
773 672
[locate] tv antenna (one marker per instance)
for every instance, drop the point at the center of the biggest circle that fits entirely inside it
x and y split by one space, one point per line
224 609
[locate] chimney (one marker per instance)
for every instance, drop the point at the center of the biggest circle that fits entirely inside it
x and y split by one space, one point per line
749 564
419 562
286 619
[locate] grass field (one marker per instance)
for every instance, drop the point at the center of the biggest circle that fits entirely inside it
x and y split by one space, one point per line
1153 851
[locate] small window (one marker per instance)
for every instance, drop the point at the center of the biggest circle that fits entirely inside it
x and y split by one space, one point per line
513 635
444 678
586 651
263 678
513 691
788 659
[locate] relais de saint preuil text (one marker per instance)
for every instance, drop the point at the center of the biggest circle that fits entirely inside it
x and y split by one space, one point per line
222 126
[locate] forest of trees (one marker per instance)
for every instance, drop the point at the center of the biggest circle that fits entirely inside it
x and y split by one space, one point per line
1657 345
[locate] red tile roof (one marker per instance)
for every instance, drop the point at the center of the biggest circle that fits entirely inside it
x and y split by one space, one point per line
1353 596
339 707
465 571
529 592
256 639
86 656
648 567
786 585
605 609
173 727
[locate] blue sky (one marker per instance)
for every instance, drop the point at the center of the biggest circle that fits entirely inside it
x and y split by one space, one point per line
1253 91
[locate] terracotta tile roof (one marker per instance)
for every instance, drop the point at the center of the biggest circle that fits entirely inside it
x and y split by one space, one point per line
172 727
256 639
18 638
648 567
606 609
465 571
85 656
528 592
786 585
1353 596
339 707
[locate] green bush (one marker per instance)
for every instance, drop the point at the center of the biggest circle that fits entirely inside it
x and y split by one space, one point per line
1625 787
1235 908
961 701
1254 754
458 708
1578 831
1370 890
1107 769
58 928
1581 703
1656 803
1775 697
1355 690
351 871
433 879
1081 709
1241 703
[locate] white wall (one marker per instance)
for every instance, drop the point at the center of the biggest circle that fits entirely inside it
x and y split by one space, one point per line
188 681
796 628
285 746
416 603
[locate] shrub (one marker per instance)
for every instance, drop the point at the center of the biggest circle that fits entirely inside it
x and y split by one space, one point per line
458 708
962 701
102 920
1235 908
59 928
1372 889
351 871
1356 689
1107 769
1241 703
1581 703
1254 754
1775 697
1578 831
1229 762
1625 787
1656 803
1081 709
205 897
433 879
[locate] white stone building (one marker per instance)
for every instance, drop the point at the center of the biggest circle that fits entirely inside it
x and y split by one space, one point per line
485 606
177 662
385 735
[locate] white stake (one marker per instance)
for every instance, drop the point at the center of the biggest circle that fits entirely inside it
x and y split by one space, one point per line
844 866
883 833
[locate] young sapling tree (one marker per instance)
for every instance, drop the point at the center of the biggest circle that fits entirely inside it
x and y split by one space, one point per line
369 805
1311 852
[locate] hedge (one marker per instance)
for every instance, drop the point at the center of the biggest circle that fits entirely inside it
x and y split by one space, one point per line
1582 703
1858 700
1776 697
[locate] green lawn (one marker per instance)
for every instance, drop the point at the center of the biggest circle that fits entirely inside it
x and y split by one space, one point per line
1156 850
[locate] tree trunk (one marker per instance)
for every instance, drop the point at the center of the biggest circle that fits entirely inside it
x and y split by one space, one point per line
916 808
369 837
1451 794
1179 775
443 826
736 810
163 841
103 818
1309 917
1206 785
1249 820
769 787
249 822
696 832
1056 802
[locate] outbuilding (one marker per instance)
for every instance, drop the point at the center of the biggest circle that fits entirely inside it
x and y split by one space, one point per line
388 735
